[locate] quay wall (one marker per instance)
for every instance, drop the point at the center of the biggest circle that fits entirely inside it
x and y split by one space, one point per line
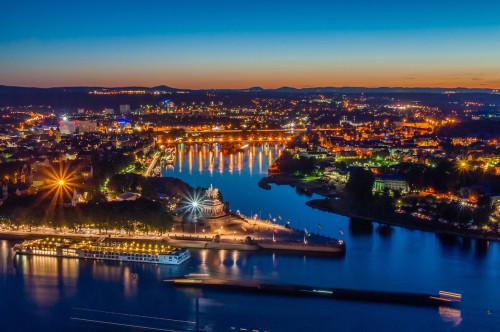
303 248
195 243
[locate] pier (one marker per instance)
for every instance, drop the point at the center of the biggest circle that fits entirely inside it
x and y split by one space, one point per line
324 249
193 241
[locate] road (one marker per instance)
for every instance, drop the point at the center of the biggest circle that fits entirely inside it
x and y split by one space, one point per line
151 166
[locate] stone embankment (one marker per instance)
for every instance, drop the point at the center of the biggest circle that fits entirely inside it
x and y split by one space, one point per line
198 242
334 248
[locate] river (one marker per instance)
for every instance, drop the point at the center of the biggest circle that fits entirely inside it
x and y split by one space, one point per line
42 293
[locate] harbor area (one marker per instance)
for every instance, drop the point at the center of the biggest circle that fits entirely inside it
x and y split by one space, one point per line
235 231
205 223
229 232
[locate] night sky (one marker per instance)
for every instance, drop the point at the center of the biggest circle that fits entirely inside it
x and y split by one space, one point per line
238 44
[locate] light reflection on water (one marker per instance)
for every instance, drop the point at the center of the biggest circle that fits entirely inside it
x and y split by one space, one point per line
205 158
53 273
377 258
49 282
235 174
396 259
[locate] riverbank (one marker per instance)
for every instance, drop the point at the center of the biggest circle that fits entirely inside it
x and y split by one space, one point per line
335 203
399 220
309 185
285 244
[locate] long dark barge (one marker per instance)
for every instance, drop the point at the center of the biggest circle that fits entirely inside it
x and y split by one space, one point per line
442 299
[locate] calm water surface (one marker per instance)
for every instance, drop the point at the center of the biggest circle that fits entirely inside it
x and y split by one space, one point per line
43 293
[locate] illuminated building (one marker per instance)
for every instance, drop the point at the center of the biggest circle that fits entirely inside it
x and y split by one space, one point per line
391 182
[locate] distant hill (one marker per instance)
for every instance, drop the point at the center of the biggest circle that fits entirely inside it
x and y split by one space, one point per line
70 98
285 89
486 129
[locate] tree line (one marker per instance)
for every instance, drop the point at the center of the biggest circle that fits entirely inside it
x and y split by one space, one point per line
142 215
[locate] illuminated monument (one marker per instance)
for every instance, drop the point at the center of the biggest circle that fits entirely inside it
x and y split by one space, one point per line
212 206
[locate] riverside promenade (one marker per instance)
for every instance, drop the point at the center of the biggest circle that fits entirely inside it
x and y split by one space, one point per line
241 233
236 231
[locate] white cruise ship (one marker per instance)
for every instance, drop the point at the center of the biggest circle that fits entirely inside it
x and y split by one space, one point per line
104 250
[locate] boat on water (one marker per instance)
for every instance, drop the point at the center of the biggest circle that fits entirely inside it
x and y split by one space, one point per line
104 250
170 159
204 281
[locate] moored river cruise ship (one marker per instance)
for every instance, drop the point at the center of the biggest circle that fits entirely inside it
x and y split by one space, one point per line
104 250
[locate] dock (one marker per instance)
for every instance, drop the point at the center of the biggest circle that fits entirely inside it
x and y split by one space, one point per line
337 248
442 299
325 249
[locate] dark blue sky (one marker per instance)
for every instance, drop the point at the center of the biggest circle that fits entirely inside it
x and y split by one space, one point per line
240 43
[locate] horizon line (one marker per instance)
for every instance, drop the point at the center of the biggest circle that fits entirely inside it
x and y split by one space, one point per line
251 87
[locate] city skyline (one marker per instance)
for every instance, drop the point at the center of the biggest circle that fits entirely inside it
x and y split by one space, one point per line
227 45
249 165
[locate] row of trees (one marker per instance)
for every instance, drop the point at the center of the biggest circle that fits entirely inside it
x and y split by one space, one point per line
142 215
108 165
289 164
152 212
150 187
360 183
447 176
462 214
452 211
359 188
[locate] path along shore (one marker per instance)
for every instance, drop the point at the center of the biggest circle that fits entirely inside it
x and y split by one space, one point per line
196 241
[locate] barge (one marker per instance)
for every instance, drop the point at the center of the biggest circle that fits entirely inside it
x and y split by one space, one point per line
103 250
443 299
